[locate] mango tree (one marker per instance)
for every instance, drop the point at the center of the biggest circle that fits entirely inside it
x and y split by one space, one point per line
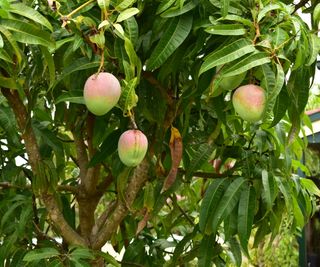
164 169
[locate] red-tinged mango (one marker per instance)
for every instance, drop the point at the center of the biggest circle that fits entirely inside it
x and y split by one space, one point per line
249 102
101 93
132 147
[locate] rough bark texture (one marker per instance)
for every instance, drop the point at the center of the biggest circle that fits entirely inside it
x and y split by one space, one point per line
32 149
111 224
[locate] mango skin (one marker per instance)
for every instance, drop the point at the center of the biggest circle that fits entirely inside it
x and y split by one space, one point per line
101 93
249 102
132 147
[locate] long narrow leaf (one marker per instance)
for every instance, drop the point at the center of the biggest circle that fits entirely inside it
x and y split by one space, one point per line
30 13
227 54
210 201
176 32
27 33
246 211
247 63
227 29
227 202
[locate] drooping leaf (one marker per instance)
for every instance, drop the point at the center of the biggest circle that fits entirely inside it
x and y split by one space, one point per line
268 188
210 201
246 63
176 150
228 201
227 54
27 33
246 214
206 251
30 13
176 32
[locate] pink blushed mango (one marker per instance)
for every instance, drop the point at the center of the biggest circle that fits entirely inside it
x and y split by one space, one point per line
101 93
132 147
249 102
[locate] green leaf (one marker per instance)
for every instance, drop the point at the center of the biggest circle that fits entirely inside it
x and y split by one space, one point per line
48 58
106 149
164 5
74 96
201 156
268 194
314 42
227 202
235 251
310 186
177 11
110 259
246 214
79 64
9 83
81 253
209 203
12 42
280 107
227 54
225 7
42 253
126 14
247 63
175 33
226 29
206 251
128 98
124 4
30 13
263 12
298 215
4 56
27 33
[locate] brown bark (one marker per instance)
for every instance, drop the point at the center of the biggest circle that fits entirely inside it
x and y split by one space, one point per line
32 149
121 209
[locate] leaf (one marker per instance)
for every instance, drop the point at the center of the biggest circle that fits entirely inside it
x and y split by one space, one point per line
12 42
225 7
280 107
81 253
227 202
210 201
109 259
314 41
48 58
164 5
227 54
77 65
235 251
27 33
206 251
128 98
42 253
201 156
177 11
176 150
268 189
227 29
126 14
247 63
310 186
124 4
175 33
263 12
9 83
30 13
106 149
246 214
74 96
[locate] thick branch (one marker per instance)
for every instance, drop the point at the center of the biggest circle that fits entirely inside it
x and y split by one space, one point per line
32 149
136 182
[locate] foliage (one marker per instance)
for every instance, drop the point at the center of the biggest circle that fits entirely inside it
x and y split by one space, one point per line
223 177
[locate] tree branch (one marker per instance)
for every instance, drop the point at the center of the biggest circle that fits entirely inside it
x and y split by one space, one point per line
32 149
136 182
